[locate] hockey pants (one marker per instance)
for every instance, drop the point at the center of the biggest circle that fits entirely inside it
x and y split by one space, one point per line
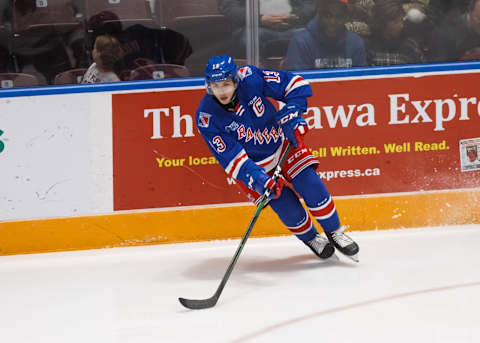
310 187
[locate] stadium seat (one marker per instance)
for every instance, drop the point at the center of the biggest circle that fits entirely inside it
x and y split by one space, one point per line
200 22
11 80
58 14
126 12
72 76
185 8
41 29
159 71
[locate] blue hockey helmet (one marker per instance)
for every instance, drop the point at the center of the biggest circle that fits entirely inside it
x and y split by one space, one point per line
220 68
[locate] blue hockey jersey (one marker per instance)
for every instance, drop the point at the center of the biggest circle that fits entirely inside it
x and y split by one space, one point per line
249 137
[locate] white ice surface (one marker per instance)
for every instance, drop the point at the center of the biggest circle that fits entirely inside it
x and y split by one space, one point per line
414 285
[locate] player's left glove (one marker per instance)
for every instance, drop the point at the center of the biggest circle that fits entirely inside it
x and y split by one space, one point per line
292 123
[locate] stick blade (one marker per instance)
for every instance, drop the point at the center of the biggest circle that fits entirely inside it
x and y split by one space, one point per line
198 304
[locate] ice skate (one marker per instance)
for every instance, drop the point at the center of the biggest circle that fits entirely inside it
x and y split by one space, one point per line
343 243
321 247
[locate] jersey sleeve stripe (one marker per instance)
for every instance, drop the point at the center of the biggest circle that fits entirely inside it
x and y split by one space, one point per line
265 162
295 82
271 161
236 163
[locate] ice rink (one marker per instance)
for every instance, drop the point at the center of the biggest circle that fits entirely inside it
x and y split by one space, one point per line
413 285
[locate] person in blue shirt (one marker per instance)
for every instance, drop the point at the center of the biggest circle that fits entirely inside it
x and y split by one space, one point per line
247 135
325 42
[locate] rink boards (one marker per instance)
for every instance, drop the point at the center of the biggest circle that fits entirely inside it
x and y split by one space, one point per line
94 166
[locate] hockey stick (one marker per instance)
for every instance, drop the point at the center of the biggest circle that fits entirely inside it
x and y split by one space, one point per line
199 304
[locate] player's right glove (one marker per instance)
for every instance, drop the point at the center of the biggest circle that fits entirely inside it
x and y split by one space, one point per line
260 182
293 125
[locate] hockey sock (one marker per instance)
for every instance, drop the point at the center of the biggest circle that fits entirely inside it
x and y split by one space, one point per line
310 186
293 215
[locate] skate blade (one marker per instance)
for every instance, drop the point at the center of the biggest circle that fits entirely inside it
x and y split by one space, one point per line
354 258
332 258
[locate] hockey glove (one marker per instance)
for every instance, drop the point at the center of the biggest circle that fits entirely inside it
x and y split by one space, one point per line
261 182
292 123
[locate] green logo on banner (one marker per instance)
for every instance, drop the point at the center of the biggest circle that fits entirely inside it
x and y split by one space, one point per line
2 145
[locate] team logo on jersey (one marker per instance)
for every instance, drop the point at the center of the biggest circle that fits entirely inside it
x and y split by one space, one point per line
204 119
244 72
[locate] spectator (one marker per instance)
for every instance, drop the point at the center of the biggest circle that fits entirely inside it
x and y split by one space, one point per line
106 53
140 42
42 50
458 38
278 19
360 12
418 25
388 44
325 42
441 10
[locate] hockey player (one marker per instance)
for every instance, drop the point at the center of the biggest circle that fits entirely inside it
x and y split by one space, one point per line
247 136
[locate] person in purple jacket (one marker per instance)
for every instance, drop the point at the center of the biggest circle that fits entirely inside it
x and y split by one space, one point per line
325 42
247 135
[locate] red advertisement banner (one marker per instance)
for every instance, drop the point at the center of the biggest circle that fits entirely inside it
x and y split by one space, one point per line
384 135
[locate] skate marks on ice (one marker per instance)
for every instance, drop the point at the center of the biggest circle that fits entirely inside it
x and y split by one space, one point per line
281 325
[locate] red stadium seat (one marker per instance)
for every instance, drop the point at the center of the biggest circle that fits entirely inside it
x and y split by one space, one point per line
41 29
121 11
207 30
11 80
57 14
72 76
159 71
184 8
